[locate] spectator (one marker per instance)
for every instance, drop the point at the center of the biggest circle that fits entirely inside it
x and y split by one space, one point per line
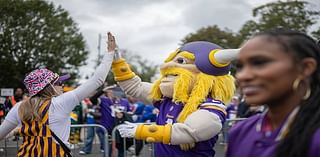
243 108
2 112
12 100
93 116
279 68
232 108
44 117
120 118
76 118
149 114
137 108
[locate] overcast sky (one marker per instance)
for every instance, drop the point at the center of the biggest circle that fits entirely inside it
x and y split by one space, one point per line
152 28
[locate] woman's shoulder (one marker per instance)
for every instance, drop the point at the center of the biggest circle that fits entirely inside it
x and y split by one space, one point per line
245 125
315 144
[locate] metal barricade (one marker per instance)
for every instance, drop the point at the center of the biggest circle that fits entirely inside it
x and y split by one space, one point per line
105 132
147 148
10 148
226 127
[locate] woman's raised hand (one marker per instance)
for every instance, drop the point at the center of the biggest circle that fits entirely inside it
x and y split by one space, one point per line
111 43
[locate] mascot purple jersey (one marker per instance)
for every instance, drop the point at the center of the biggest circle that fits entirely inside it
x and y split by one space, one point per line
169 111
190 94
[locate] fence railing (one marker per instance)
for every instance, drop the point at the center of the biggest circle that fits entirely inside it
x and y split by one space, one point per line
8 148
138 145
105 132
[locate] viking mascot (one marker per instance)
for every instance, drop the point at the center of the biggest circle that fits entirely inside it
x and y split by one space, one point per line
191 92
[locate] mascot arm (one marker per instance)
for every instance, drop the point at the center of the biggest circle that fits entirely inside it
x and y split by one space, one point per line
154 133
199 126
129 82
136 88
121 70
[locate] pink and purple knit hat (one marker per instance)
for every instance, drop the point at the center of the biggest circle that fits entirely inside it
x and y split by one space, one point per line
38 79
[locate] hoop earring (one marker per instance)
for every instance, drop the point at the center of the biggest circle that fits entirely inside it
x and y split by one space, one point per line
307 95
296 84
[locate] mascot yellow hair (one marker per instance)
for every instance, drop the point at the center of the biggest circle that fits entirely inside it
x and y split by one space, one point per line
220 86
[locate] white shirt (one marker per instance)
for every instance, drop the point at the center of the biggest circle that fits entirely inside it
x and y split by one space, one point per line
62 105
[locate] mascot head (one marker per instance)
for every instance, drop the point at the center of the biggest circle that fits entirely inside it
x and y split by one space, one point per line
191 74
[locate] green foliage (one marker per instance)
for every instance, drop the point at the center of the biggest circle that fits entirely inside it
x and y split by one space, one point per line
316 34
224 38
290 14
37 34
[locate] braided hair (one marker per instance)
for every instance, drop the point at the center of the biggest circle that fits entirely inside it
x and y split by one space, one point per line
307 121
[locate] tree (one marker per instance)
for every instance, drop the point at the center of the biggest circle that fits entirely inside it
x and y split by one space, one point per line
141 67
316 34
37 34
289 14
224 38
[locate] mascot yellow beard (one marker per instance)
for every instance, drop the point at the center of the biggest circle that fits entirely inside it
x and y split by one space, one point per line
191 103
190 86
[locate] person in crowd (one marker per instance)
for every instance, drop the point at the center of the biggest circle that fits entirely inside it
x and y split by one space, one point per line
120 117
76 118
12 100
102 100
137 108
149 114
243 108
44 117
232 108
2 112
93 116
279 68
108 103
191 103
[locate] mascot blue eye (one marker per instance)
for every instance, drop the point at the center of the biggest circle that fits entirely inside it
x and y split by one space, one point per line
181 61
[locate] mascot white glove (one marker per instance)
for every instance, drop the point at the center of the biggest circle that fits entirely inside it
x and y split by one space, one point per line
127 130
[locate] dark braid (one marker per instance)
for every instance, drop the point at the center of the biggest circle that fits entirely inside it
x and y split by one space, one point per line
307 121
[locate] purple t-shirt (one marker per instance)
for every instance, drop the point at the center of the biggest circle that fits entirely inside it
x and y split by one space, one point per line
107 119
169 111
246 140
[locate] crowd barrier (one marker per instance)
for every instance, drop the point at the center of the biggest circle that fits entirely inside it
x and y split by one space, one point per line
9 148
146 149
79 145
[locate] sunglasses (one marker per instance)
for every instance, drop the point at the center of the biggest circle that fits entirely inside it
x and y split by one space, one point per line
58 83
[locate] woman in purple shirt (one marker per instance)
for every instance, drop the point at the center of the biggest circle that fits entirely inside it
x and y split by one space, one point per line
279 68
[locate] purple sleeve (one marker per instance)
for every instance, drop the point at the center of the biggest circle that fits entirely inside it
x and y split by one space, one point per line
128 106
315 145
219 113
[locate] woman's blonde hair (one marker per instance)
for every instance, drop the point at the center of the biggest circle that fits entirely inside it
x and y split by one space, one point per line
29 109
